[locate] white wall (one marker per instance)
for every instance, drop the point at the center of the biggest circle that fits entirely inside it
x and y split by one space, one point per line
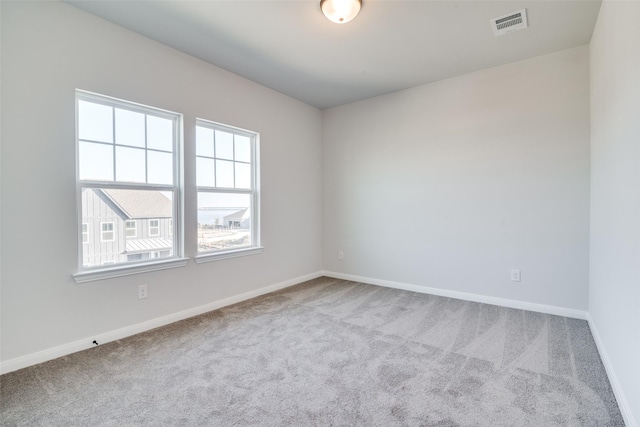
614 291
452 184
49 50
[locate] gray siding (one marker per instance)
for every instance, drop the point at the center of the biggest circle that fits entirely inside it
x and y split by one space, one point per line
96 252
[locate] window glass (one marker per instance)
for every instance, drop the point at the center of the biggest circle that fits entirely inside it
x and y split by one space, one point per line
95 122
85 233
160 167
224 145
205 172
242 149
120 238
131 228
130 164
107 231
154 227
243 175
160 133
96 161
143 152
224 221
204 142
224 174
129 128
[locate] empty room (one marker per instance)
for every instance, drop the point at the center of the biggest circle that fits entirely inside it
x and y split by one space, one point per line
320 212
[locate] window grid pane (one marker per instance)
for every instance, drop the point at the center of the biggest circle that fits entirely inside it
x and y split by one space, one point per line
224 174
95 122
154 227
130 164
96 161
131 229
103 154
85 233
205 172
159 167
107 231
159 133
130 128
232 155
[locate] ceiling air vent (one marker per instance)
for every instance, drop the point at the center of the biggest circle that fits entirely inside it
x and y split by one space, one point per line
512 22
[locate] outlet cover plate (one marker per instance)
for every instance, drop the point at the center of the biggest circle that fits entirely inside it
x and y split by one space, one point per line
142 291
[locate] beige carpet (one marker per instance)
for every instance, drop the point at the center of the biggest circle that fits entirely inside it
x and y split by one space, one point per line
329 353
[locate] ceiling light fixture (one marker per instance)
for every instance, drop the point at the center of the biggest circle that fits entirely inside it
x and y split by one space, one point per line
340 11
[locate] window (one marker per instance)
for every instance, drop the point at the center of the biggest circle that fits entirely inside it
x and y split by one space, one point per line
154 227
107 232
127 170
227 185
134 257
85 232
131 229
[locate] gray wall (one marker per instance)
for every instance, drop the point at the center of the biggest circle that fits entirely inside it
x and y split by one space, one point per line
48 50
452 184
614 291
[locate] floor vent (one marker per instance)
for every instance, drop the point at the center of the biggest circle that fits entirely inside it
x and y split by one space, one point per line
508 23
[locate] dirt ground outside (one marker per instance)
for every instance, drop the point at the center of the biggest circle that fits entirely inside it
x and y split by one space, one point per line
211 240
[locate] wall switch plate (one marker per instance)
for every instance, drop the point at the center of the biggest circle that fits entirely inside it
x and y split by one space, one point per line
142 291
515 275
340 255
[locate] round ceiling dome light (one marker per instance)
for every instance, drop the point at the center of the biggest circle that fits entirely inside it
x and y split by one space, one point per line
340 11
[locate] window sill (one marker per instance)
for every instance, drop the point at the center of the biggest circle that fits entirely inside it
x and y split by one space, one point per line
226 255
127 270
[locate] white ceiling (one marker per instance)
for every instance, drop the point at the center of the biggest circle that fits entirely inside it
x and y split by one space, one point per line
291 47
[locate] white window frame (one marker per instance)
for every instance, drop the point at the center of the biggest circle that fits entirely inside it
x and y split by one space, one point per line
86 274
127 228
112 231
253 192
157 228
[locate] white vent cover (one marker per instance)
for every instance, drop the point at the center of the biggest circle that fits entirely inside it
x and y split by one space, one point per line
512 22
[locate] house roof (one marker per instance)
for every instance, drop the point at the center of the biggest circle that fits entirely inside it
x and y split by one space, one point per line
146 245
137 204
242 214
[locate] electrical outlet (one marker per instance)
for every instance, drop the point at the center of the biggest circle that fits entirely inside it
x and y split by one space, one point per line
340 255
142 291
515 275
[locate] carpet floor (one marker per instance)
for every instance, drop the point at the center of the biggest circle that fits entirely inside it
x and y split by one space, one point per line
329 353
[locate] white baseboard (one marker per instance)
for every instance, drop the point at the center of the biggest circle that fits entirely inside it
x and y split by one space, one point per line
623 403
522 305
83 344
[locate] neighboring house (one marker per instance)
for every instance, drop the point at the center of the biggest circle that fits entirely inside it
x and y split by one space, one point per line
239 219
125 226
